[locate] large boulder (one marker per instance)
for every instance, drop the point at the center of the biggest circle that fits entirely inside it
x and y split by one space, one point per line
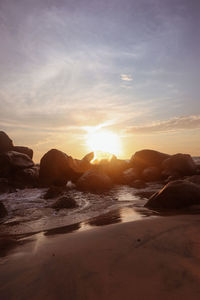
56 168
3 210
182 164
28 177
151 174
94 181
11 161
6 143
130 175
175 195
24 150
147 158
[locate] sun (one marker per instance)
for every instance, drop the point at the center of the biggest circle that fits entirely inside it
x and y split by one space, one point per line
103 143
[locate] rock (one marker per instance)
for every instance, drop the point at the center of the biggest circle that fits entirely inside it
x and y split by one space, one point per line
6 143
130 175
147 158
194 179
5 186
64 202
88 157
151 174
54 191
56 168
114 168
3 210
24 150
138 184
11 161
94 181
175 195
180 163
28 177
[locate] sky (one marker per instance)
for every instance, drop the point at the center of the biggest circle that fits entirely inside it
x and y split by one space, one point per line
129 66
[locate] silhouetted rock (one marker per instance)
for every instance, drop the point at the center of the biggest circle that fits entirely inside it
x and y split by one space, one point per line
54 191
180 163
175 195
147 158
28 177
151 174
11 161
3 210
24 150
114 168
130 175
88 157
64 202
94 181
56 168
6 186
6 143
194 179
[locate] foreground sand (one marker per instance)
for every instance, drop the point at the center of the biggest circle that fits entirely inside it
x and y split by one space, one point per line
155 258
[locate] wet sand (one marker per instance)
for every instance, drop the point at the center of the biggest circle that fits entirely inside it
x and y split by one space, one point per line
153 258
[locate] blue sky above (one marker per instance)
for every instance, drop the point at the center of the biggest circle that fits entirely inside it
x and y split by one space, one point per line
131 65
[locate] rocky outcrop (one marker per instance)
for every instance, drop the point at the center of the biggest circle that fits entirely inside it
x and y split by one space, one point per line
94 181
181 164
6 143
64 202
175 195
24 150
151 174
56 168
130 175
3 210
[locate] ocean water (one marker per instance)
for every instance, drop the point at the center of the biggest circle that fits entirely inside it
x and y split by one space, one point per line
29 212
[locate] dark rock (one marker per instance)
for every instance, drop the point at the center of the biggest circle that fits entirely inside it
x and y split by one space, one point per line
94 181
180 163
24 150
12 161
64 202
56 168
147 158
88 157
54 191
114 168
194 179
151 174
175 195
130 175
5 186
3 210
139 184
28 177
6 143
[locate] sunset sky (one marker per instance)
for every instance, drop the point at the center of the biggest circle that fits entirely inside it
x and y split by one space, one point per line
128 66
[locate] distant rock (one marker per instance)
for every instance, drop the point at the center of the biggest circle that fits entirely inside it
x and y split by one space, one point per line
6 143
147 158
151 174
56 168
3 210
28 177
24 150
130 175
88 157
54 191
182 164
64 202
175 195
94 181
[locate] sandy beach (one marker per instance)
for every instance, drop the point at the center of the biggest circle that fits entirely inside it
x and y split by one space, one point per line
154 258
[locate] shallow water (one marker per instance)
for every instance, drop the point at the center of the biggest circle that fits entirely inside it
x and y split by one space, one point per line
29 212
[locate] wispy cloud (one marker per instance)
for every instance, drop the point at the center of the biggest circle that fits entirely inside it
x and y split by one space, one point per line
126 77
178 123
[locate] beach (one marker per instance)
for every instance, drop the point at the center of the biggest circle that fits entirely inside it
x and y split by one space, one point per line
152 258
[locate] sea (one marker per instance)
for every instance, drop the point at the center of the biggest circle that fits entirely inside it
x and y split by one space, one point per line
29 212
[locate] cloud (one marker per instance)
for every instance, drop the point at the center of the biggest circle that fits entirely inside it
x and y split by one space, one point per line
126 77
178 123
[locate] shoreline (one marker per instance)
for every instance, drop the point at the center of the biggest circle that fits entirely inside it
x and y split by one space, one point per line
153 258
